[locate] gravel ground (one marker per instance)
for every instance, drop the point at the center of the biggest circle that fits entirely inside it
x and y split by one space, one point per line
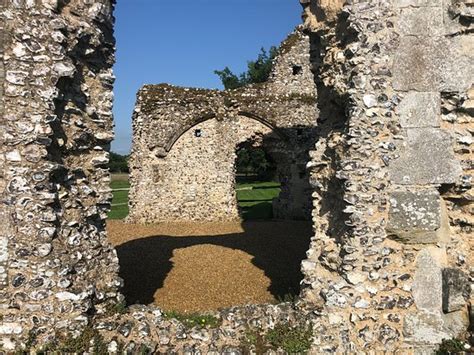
192 267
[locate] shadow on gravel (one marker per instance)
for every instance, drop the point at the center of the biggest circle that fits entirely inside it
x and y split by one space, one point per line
277 249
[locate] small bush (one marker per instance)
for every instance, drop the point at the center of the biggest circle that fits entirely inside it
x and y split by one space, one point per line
89 339
194 319
288 298
450 346
292 339
254 342
116 308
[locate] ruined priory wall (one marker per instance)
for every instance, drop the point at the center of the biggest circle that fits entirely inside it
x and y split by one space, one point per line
56 266
170 182
390 265
196 180
291 71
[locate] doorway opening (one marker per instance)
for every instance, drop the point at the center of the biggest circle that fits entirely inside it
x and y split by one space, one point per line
256 181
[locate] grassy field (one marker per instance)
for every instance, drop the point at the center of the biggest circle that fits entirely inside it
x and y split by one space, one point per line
255 199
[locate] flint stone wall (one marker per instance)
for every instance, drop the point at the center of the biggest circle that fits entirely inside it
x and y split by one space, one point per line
182 165
403 72
369 285
56 265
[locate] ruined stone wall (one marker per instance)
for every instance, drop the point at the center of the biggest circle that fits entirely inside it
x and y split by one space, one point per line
198 173
390 265
176 176
391 261
56 266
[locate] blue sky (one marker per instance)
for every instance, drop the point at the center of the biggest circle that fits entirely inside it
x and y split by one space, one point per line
182 42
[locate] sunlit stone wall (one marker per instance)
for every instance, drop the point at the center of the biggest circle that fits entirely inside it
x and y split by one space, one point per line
390 266
56 266
185 141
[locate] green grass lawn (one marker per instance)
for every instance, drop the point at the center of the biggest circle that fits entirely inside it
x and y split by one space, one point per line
119 184
255 199
120 201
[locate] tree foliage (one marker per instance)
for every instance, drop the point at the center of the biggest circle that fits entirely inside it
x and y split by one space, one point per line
258 71
118 163
254 161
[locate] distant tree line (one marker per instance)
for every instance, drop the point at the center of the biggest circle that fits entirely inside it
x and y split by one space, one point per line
258 71
118 163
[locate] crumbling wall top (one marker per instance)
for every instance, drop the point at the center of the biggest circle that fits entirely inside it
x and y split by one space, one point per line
288 99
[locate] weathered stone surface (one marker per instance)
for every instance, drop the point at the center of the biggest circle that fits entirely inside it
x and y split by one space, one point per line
415 216
421 21
424 327
185 142
426 158
317 13
53 179
431 64
4 235
427 283
456 323
53 230
420 109
455 289
413 62
418 3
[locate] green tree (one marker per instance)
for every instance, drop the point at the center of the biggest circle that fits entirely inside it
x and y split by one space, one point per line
243 161
258 71
229 79
118 163
254 161
258 162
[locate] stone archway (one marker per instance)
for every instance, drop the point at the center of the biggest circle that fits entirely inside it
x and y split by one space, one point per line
184 139
195 180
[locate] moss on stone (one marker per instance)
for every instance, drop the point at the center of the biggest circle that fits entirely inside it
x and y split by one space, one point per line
289 42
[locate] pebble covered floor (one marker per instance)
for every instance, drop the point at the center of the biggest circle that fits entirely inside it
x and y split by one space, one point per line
198 267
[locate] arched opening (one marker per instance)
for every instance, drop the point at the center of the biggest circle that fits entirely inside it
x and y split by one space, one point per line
191 231
224 196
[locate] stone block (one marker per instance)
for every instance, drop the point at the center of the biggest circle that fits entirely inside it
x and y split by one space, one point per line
431 64
456 323
424 327
415 217
421 21
426 158
420 109
455 289
430 328
429 325
427 281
